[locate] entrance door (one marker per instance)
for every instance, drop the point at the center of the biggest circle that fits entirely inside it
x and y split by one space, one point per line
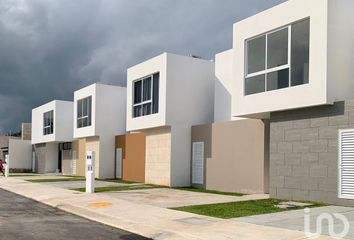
119 161
346 164
198 163
60 159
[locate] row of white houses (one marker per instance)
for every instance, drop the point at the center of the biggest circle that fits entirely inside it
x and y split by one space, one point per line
273 114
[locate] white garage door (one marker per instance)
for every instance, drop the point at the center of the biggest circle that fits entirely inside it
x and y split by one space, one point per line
346 163
198 163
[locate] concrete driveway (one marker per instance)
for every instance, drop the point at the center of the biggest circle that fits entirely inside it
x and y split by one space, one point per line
169 198
294 220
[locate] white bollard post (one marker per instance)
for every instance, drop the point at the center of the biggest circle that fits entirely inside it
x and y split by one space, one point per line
7 166
90 173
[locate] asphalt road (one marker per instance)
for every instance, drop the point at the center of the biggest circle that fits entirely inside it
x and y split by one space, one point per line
24 219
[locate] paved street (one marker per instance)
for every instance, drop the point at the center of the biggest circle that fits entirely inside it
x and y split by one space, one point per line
25 219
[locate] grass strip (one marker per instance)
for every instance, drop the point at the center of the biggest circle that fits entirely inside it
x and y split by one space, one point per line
56 180
116 181
241 209
119 188
192 189
23 175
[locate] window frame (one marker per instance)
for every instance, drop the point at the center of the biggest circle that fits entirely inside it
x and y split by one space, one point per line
51 123
88 115
142 103
273 69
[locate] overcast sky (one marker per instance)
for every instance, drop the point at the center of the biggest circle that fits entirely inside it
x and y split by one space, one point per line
50 48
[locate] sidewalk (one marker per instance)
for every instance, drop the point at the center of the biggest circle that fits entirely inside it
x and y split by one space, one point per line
149 221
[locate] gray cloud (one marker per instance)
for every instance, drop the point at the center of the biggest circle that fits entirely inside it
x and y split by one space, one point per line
50 48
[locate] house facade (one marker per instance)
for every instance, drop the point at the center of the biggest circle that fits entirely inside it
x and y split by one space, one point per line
99 115
166 95
293 65
52 139
231 154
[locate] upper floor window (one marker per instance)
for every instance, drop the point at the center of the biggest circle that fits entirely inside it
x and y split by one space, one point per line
146 95
84 108
278 59
48 122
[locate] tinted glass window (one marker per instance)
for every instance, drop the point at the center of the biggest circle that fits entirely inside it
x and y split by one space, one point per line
300 35
255 84
137 91
256 54
146 95
277 47
278 79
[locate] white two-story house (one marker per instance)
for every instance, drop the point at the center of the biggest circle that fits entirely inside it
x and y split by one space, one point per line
166 95
293 65
52 135
99 115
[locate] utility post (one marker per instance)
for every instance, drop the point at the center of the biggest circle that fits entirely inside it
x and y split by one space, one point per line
90 172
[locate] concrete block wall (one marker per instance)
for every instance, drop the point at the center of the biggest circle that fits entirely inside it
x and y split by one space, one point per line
304 152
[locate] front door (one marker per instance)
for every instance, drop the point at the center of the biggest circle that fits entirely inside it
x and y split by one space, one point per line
198 163
119 160
60 159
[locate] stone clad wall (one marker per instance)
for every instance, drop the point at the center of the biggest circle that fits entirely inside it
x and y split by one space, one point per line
158 156
304 152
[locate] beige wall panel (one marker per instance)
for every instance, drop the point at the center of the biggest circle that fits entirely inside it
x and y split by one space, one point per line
80 147
158 156
93 144
67 162
238 157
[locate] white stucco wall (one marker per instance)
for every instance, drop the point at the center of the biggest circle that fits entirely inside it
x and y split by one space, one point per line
313 93
63 126
190 101
64 121
20 153
340 71
223 86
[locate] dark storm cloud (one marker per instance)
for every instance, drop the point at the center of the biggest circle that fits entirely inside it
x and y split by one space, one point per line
49 48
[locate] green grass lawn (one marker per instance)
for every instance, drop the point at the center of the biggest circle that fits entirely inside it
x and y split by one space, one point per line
119 188
240 209
115 181
22 175
70 179
192 189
